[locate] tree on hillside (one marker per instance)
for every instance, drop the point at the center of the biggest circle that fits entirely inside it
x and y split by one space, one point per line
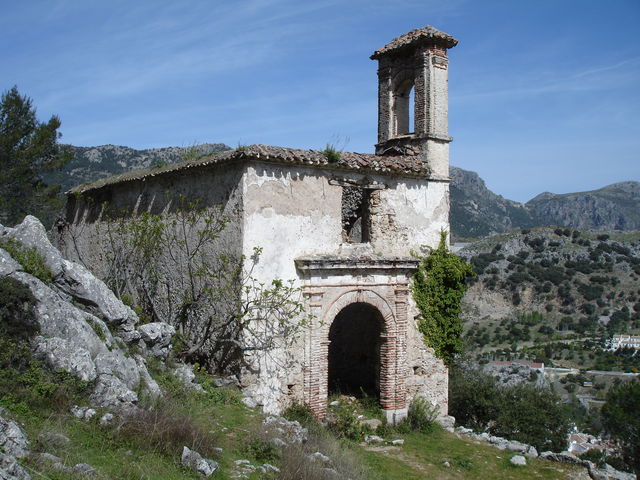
438 287
28 148
621 420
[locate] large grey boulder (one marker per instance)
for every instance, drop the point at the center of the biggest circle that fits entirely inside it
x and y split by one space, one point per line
10 469
58 317
196 462
76 280
75 341
13 445
608 473
185 374
63 355
289 430
562 457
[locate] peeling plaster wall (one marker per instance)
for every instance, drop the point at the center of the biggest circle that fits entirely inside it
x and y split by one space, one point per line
289 212
427 375
409 214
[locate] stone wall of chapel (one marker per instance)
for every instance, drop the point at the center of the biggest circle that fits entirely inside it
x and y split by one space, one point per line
82 236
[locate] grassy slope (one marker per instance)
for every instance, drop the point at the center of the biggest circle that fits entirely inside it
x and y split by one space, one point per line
424 456
232 426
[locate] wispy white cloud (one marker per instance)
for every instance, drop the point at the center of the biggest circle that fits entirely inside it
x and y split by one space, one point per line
601 77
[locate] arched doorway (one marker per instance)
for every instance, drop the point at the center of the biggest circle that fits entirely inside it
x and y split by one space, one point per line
354 351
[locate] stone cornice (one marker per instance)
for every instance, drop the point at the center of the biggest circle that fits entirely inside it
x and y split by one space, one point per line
355 263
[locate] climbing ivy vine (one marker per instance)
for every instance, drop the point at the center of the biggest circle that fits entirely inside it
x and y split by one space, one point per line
438 287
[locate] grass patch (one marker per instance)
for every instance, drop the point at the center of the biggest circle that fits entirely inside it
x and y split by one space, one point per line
31 260
165 429
331 153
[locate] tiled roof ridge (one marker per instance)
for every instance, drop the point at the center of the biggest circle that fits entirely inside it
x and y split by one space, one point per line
424 33
366 162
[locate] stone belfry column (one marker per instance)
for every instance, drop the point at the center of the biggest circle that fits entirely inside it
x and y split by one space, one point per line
415 61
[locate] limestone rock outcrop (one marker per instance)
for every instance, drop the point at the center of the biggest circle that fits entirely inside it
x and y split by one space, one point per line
84 328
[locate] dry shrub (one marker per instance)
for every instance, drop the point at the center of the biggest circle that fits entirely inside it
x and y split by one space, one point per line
165 429
295 461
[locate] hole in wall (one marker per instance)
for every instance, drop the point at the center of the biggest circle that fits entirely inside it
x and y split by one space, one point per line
356 221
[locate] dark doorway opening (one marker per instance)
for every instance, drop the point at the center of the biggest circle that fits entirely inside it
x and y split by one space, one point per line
354 351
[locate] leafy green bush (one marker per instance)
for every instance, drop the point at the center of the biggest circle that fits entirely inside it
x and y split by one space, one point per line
261 450
300 413
421 416
31 260
344 423
483 260
524 412
590 292
594 455
27 387
438 286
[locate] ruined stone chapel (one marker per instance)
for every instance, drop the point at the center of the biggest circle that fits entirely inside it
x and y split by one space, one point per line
341 226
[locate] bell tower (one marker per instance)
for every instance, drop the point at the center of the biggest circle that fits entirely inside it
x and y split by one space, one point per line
417 63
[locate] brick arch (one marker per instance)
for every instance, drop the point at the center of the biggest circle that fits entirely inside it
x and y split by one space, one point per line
361 296
392 385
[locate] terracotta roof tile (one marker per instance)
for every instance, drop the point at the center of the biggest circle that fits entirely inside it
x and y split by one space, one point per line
365 162
414 36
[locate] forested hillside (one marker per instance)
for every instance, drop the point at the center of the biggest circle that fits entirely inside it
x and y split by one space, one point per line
547 289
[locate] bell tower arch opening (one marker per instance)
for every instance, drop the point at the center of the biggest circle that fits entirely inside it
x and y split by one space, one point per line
354 351
403 108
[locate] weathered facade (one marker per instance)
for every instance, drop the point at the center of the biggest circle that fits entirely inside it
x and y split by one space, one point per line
341 228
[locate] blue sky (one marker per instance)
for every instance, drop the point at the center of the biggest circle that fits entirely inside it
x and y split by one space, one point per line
544 95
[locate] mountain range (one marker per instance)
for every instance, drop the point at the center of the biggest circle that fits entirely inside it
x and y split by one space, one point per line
476 211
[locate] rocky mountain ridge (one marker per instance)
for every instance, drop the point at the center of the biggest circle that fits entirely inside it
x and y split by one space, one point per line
478 212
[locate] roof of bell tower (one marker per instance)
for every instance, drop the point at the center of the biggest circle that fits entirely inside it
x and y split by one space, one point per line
419 35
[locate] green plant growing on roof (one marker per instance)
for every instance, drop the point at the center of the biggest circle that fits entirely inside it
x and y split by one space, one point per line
331 153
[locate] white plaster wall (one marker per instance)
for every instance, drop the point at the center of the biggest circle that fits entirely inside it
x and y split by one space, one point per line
412 214
289 212
427 376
